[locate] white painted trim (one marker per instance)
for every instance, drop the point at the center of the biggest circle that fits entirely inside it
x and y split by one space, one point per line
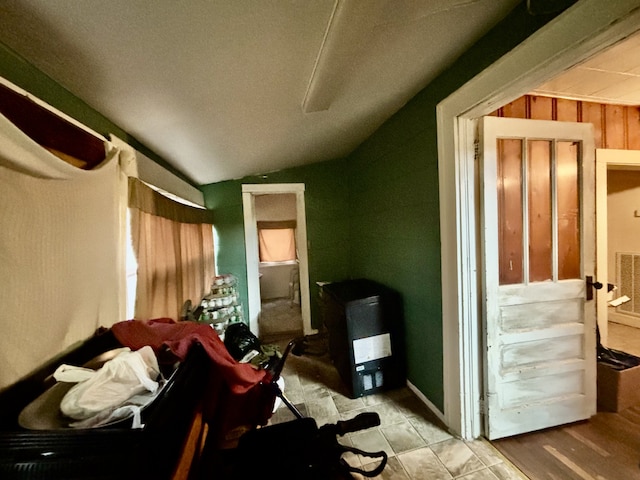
137 165
305 294
266 188
607 158
583 30
253 262
626 159
426 401
153 173
251 246
602 314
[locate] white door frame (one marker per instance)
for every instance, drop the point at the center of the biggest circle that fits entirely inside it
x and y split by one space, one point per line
251 248
623 159
584 29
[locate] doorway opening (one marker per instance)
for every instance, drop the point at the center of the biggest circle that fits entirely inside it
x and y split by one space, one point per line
278 286
574 36
619 186
279 270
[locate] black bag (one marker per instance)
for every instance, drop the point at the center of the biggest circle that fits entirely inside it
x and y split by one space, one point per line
239 340
300 450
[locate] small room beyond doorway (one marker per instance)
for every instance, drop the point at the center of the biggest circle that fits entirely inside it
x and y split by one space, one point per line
279 270
623 231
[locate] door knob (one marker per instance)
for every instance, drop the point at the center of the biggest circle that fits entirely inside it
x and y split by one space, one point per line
591 285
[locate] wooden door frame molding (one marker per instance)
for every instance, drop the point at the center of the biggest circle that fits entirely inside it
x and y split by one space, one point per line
583 30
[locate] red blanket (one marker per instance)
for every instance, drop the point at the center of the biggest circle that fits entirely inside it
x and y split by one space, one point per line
235 393
178 337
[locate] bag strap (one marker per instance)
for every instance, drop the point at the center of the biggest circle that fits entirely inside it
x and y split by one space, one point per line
377 471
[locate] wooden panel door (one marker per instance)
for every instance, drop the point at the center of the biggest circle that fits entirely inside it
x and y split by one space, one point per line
539 244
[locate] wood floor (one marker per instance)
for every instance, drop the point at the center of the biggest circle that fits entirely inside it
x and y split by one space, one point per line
607 447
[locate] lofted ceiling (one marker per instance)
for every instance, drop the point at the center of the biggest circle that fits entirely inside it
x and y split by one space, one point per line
227 88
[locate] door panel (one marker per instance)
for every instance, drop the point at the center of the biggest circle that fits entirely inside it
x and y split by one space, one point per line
538 241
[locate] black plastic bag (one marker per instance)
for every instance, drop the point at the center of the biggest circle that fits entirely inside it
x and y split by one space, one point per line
615 359
240 341
301 450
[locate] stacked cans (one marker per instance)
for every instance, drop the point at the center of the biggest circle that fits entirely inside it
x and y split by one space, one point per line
222 307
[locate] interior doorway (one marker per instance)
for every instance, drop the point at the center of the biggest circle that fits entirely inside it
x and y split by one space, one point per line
562 450
279 270
574 36
618 187
295 272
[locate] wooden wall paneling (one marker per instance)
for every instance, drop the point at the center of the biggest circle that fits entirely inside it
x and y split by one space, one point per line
633 128
516 109
541 108
592 113
540 218
568 208
567 110
614 127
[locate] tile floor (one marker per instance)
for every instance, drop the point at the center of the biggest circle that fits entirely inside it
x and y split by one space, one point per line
414 439
418 445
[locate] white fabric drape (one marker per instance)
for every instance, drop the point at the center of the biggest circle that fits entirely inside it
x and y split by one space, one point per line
60 252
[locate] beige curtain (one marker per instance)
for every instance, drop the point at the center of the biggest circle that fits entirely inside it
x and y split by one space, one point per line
173 244
277 241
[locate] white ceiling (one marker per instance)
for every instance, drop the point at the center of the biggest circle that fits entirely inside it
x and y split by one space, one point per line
227 88
612 76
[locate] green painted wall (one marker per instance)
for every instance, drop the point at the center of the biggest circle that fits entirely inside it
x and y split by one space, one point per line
383 221
373 214
395 206
396 237
326 201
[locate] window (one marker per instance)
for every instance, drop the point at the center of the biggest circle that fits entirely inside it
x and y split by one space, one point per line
173 246
277 241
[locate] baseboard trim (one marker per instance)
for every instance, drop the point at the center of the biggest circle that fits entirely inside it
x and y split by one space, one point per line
427 402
